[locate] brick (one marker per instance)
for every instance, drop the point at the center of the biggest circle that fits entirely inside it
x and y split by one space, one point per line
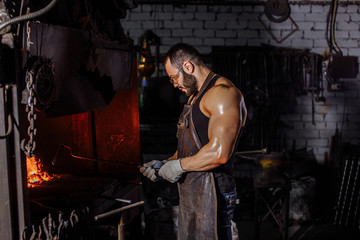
247 34
247 17
214 25
258 9
164 16
293 35
318 125
321 142
255 42
135 33
205 16
354 52
146 7
172 24
306 25
302 43
193 41
237 9
236 25
314 17
168 8
317 9
193 24
214 8
341 9
347 26
182 32
327 133
354 34
344 17
170 41
341 35
226 16
255 25
214 41
298 125
300 8
140 16
321 150
331 125
352 9
287 25
201 8
248 9
297 16
184 16
132 24
149 24
314 34
320 26
135 10
355 17
163 33
348 43
310 116
308 134
225 33
235 42
204 33
319 43
334 117
190 8
225 9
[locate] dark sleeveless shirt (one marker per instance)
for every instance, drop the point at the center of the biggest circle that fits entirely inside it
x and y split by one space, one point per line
223 173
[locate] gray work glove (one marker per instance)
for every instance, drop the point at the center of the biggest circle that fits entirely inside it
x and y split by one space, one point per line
171 171
150 169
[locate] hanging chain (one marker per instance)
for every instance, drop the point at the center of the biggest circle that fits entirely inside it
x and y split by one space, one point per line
30 146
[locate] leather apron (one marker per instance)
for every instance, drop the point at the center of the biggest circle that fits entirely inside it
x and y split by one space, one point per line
197 194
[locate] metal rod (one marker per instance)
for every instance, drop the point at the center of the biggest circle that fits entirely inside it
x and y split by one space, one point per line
264 150
119 210
352 203
347 190
338 211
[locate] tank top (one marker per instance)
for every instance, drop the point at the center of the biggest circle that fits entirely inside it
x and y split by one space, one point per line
223 173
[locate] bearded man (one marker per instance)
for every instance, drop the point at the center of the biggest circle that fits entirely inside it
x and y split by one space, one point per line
208 131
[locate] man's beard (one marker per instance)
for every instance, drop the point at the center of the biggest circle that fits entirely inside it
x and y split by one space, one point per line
190 83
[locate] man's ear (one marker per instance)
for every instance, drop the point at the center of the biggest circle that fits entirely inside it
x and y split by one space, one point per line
188 67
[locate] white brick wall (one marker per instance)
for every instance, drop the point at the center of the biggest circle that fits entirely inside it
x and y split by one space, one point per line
206 26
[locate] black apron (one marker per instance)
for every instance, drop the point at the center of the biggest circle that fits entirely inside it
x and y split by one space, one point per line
197 194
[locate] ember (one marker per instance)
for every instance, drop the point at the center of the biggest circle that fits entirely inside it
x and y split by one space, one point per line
34 174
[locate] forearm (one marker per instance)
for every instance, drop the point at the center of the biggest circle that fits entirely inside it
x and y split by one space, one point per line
209 157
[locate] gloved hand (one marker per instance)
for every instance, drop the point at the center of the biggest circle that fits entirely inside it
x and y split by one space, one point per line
150 169
171 171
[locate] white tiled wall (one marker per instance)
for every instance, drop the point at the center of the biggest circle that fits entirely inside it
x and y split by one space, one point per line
207 26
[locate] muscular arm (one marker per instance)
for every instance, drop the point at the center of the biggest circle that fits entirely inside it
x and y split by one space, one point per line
225 107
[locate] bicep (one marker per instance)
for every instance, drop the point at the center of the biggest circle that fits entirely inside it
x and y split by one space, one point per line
225 118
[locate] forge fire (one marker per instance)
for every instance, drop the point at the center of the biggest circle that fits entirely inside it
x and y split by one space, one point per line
35 175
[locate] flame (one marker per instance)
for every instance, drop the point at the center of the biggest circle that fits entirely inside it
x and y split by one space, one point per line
34 174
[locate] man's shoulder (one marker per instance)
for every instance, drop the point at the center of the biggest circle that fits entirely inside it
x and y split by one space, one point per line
223 91
224 87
